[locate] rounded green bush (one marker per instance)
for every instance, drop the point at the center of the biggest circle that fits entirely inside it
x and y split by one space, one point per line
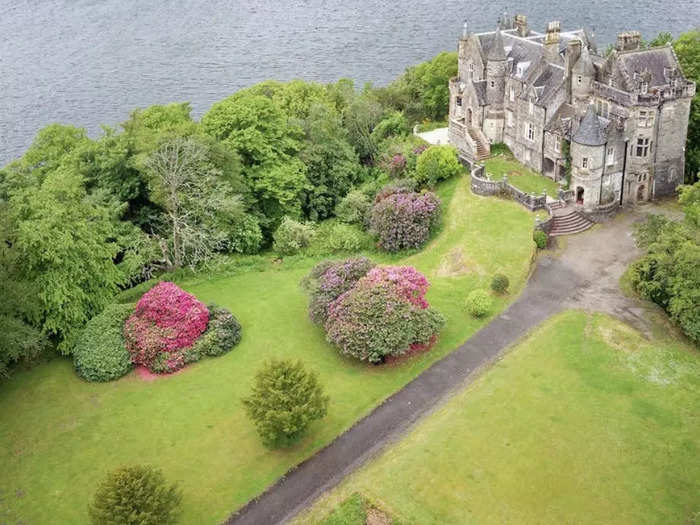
100 353
540 239
499 283
478 303
292 237
135 495
435 164
344 238
353 208
222 334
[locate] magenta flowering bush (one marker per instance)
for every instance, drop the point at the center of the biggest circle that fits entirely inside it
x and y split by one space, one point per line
166 320
384 314
404 220
329 279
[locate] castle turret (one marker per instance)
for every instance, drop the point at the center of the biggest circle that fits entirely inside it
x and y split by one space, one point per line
582 75
587 160
496 70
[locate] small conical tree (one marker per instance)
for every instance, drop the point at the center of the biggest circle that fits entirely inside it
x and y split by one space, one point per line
135 495
285 399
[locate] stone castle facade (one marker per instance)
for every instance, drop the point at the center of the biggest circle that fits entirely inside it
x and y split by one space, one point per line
624 116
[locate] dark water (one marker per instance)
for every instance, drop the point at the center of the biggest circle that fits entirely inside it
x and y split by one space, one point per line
87 62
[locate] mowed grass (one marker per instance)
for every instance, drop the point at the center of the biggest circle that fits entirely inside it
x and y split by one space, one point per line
583 422
520 176
59 435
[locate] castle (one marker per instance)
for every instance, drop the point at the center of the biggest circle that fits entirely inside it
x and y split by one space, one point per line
624 117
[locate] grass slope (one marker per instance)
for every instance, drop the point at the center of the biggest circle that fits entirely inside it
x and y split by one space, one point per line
59 435
584 422
520 176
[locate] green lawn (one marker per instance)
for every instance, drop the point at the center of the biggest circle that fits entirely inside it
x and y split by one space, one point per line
59 435
584 422
520 176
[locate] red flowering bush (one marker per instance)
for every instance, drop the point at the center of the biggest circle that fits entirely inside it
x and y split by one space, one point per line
404 219
384 314
166 320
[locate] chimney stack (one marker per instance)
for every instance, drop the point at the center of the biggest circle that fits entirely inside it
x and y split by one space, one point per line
551 42
573 52
628 41
521 25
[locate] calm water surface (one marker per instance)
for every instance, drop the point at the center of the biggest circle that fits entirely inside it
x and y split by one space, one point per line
87 62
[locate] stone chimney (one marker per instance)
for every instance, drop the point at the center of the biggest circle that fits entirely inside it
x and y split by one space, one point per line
551 42
573 52
521 25
628 41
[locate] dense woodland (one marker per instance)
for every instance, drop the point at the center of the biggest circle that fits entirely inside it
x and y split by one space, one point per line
82 219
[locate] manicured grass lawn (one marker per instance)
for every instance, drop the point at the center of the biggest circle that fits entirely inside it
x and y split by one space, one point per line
520 176
59 435
584 422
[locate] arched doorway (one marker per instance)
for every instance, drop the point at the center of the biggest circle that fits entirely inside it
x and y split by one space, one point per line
469 116
579 195
548 167
640 192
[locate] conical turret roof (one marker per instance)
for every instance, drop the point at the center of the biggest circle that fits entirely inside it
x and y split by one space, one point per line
497 51
584 64
589 132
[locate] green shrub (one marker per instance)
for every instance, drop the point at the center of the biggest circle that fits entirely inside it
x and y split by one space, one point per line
292 236
353 208
499 283
540 239
222 334
137 495
100 353
245 236
133 294
435 164
285 399
478 303
344 238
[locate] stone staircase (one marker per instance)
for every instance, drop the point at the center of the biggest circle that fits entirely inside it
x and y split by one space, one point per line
568 222
483 149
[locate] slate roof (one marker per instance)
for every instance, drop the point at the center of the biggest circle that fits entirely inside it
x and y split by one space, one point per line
589 132
584 64
496 50
480 88
655 60
547 83
562 120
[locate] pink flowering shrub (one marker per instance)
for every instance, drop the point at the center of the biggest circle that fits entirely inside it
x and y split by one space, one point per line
404 220
409 282
384 314
166 320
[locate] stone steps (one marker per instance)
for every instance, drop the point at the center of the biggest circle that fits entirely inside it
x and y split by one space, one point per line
569 223
483 151
556 205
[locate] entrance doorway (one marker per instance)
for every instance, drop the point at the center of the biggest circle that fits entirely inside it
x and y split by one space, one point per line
579 195
640 192
548 167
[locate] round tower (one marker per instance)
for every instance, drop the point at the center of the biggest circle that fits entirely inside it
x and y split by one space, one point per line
587 160
582 75
496 70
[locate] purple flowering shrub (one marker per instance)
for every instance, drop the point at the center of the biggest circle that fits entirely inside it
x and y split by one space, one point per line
404 220
384 315
329 279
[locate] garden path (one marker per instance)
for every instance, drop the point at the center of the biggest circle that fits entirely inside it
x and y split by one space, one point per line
584 274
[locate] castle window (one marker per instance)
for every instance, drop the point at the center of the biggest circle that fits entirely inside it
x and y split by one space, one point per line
646 119
557 147
611 156
512 94
530 133
602 108
643 147
471 71
579 78
584 162
459 101
493 84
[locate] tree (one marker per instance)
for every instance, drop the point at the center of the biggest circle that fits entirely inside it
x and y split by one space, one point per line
187 186
136 495
284 400
360 118
687 49
436 164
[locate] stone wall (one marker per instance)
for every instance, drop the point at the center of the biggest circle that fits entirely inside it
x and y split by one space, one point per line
481 184
603 212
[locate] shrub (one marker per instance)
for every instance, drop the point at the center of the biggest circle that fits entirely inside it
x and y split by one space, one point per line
435 164
375 319
135 495
540 239
329 279
245 236
285 399
222 334
499 283
398 186
353 209
292 236
100 353
478 303
343 238
166 320
409 282
404 220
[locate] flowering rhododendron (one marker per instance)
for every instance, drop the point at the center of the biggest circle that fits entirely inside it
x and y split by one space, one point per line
409 282
166 320
404 220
